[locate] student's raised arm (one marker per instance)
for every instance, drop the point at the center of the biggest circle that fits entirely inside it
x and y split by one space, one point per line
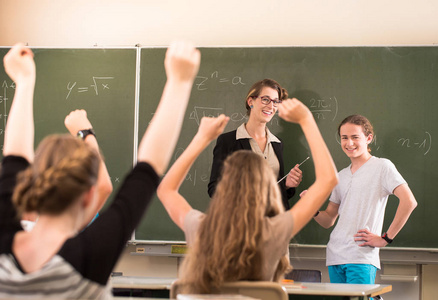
325 171
19 131
157 145
168 191
75 121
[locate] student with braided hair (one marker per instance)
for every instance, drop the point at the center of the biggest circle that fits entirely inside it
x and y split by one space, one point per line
56 260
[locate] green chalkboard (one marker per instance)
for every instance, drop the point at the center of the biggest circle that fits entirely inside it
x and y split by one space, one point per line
101 81
395 87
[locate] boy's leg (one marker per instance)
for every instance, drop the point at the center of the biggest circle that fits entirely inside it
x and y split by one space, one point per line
360 273
337 274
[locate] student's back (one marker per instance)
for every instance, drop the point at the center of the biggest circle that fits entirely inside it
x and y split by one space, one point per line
253 234
48 262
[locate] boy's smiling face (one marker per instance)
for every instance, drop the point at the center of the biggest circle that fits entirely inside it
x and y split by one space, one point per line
353 140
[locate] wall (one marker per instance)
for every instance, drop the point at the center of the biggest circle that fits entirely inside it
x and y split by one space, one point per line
224 22
429 290
149 266
84 23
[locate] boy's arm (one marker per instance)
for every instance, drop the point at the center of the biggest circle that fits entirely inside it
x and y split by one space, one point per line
407 204
326 218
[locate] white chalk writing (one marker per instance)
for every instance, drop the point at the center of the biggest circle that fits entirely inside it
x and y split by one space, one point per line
99 84
324 108
202 82
3 100
199 112
423 143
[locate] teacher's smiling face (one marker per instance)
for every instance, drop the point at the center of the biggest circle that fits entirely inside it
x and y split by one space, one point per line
263 106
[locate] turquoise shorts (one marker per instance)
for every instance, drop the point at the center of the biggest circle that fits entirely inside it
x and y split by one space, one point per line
352 273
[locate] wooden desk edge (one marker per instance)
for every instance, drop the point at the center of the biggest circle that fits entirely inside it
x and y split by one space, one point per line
385 290
307 289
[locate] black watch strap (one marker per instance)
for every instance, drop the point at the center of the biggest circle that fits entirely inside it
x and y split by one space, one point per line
85 132
386 238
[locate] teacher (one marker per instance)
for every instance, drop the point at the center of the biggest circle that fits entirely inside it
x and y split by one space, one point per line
261 105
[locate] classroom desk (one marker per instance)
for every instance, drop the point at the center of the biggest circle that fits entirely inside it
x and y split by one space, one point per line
159 287
302 290
137 282
136 286
137 298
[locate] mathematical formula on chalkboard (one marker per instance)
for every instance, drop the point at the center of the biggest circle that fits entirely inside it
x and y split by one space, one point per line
322 109
98 84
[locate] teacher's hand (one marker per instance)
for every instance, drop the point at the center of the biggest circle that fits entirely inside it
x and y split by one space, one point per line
294 177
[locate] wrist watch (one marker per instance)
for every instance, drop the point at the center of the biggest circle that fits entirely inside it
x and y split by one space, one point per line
85 132
386 238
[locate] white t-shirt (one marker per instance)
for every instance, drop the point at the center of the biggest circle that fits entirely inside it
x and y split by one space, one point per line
362 197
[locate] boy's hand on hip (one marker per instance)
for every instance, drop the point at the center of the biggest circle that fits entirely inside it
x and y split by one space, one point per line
369 239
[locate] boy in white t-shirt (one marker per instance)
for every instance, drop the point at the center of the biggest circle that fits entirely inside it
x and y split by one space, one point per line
359 200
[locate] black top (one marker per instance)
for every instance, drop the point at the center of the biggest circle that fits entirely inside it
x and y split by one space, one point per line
227 144
91 254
